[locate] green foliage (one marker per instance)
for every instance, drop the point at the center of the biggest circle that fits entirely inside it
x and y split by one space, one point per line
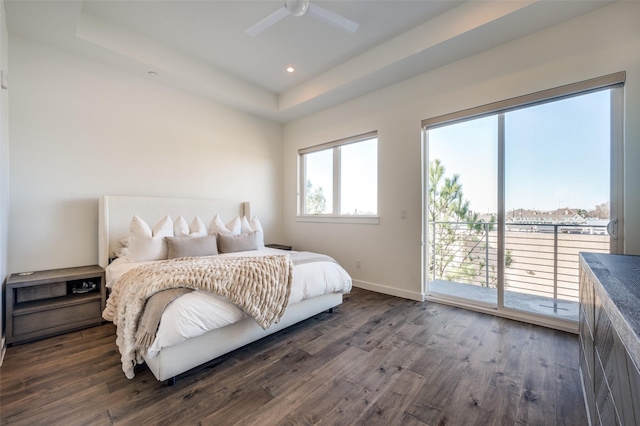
582 212
315 202
458 235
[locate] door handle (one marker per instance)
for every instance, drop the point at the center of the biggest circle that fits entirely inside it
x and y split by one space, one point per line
612 229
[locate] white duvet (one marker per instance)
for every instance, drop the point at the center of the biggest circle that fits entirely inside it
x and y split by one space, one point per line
199 311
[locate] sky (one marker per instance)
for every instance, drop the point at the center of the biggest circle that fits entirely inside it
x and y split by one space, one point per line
359 176
556 155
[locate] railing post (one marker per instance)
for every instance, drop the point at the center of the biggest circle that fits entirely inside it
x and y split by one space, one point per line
555 269
486 253
433 253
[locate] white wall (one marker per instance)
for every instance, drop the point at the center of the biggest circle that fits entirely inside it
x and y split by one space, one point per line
4 166
600 43
80 129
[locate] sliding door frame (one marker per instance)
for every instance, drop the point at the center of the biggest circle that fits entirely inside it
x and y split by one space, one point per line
613 81
617 167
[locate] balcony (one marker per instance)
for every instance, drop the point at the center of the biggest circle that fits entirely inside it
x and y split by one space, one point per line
541 274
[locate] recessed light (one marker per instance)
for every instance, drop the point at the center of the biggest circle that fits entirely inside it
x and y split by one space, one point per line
290 69
152 73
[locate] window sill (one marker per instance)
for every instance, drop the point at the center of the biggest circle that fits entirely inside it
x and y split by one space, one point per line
361 220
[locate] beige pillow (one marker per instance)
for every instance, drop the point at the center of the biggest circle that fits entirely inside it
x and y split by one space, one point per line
240 242
191 246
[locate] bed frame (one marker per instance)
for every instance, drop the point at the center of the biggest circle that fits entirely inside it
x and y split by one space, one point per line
115 213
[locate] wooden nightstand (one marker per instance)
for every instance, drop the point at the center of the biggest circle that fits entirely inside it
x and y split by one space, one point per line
278 246
45 303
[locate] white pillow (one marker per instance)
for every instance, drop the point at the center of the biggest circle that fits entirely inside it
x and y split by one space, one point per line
255 225
145 244
217 226
245 226
196 229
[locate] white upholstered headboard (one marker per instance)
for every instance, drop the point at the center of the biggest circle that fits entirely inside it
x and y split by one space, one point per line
115 213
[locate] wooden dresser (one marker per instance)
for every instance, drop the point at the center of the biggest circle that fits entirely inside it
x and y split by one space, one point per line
610 337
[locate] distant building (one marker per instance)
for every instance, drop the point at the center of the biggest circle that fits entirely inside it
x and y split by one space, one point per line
525 220
567 220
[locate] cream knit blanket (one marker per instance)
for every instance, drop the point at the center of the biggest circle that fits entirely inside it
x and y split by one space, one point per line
259 285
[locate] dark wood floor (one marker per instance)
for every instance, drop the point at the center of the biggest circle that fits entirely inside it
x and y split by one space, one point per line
376 360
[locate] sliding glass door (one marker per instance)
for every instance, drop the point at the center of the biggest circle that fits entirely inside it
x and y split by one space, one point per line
462 207
557 198
512 196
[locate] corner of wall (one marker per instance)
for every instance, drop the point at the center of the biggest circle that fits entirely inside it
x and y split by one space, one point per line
378 288
4 173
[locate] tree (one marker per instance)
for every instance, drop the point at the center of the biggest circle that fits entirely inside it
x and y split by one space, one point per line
459 237
315 202
582 213
601 211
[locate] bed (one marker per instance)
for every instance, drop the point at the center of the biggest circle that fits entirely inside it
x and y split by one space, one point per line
167 357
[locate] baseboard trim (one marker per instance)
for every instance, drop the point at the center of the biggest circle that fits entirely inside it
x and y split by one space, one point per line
378 288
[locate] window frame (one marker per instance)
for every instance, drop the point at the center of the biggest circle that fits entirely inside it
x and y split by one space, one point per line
335 216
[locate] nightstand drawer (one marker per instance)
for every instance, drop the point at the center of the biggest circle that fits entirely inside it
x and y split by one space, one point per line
44 291
60 318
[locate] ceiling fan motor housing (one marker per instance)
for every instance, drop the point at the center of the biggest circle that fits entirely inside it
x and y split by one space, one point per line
297 7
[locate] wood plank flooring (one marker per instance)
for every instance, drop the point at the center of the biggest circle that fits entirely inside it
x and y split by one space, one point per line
376 360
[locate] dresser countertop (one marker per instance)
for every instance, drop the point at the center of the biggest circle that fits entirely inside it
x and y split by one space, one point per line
617 284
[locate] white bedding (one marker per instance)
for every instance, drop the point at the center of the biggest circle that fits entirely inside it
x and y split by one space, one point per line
198 312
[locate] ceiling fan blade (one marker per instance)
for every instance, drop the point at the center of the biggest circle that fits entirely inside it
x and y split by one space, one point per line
267 22
328 17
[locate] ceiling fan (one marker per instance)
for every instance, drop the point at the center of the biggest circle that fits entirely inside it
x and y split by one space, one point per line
299 8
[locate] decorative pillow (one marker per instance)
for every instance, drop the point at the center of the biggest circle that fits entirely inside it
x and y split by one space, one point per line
255 225
245 227
217 226
145 244
234 243
124 242
196 229
191 246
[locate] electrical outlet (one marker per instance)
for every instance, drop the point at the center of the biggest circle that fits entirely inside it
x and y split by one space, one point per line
358 263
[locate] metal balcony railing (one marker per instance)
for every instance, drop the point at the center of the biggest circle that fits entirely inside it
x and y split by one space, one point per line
541 259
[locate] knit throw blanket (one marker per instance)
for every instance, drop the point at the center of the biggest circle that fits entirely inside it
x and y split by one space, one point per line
259 285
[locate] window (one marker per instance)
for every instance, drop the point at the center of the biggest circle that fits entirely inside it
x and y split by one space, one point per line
339 180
